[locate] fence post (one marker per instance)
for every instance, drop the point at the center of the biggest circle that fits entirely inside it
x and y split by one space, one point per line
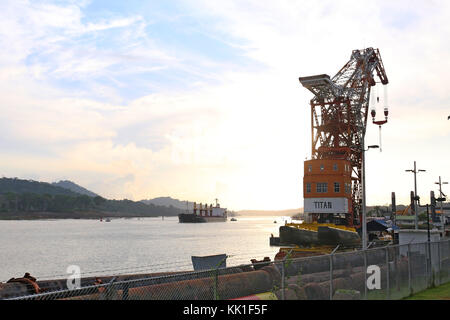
439 261
427 264
288 256
216 280
397 267
409 268
282 279
365 275
125 291
388 274
108 293
331 276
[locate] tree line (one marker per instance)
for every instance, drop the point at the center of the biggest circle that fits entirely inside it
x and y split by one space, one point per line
11 202
33 202
28 198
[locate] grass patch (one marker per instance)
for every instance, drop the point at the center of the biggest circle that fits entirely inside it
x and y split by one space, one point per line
438 293
375 294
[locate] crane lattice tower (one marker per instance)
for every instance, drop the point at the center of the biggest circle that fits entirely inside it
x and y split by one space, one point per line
339 112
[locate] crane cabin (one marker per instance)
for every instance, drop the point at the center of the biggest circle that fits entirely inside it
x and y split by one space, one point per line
327 190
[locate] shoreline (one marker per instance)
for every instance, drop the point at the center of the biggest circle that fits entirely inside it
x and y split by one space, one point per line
5 216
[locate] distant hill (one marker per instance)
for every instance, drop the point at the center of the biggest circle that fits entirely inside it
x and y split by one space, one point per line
14 185
69 185
168 201
28 199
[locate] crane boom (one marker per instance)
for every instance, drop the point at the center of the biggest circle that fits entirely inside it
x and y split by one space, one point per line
339 112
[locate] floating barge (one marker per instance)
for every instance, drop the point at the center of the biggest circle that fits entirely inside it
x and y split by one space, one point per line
313 234
328 207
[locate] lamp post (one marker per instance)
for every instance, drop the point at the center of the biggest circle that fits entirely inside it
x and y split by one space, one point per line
363 178
417 198
441 199
415 171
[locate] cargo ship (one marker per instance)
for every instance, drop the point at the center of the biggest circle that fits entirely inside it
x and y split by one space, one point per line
204 213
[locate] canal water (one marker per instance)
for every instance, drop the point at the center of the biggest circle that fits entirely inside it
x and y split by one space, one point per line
46 248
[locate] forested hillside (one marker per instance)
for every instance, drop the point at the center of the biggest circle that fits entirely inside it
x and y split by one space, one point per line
33 199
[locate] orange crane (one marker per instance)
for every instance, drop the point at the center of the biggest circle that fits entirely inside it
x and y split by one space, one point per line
403 212
339 111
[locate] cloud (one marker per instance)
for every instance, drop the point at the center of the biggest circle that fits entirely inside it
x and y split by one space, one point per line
298 38
119 107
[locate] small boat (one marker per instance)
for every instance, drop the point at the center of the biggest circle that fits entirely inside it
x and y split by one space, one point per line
107 220
233 219
218 261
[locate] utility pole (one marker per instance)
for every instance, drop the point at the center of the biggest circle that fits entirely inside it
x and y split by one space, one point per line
441 200
428 228
415 171
394 209
363 180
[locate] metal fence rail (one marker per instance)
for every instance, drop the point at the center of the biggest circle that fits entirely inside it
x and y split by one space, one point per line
391 272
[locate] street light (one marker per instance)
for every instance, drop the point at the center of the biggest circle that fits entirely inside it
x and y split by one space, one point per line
441 199
415 171
363 178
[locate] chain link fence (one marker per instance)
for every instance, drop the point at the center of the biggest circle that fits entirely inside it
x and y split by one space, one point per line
391 272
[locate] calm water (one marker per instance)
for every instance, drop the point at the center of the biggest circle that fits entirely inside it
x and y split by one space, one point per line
47 248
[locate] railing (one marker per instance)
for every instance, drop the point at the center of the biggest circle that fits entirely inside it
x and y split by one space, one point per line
391 272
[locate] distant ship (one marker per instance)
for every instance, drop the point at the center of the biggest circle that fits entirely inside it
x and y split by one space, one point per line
204 214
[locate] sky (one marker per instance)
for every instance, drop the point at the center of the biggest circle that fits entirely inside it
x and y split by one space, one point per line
200 100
